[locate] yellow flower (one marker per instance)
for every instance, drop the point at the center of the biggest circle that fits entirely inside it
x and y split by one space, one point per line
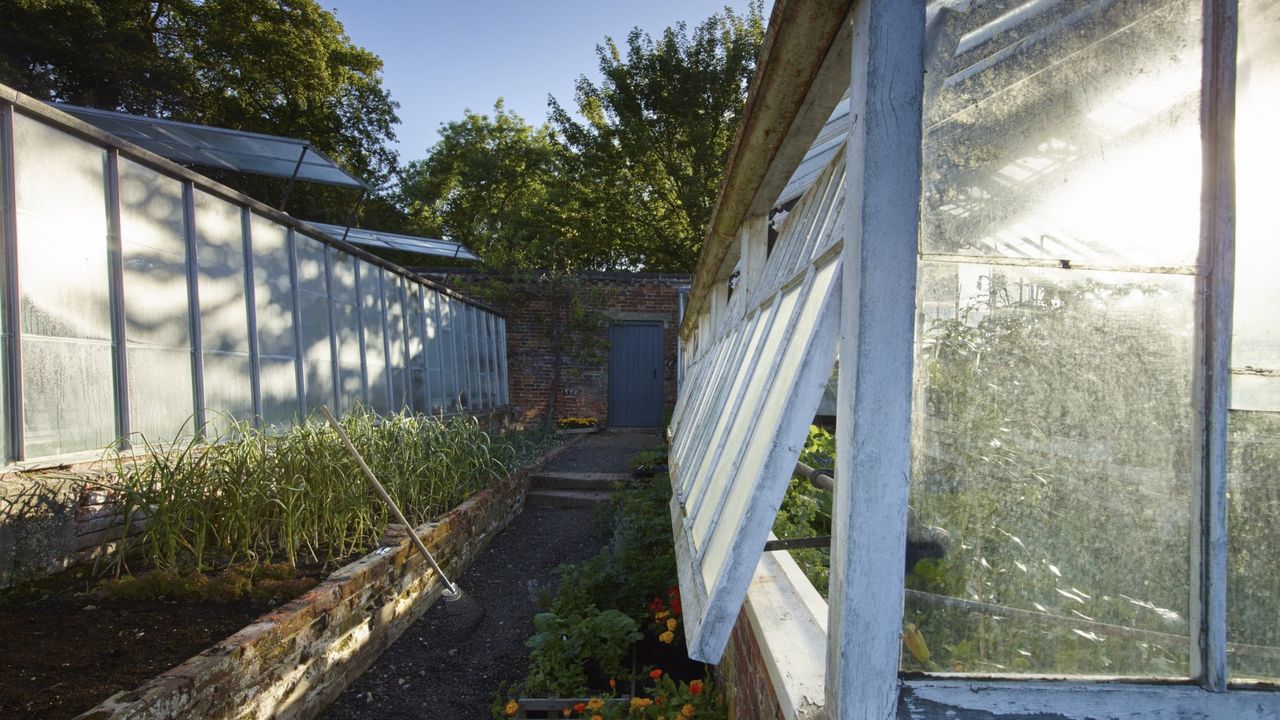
595 704
511 708
660 616
639 702
672 624
667 637
688 711
596 717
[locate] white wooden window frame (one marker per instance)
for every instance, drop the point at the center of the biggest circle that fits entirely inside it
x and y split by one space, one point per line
873 439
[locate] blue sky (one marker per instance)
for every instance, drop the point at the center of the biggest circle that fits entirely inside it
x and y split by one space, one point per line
443 57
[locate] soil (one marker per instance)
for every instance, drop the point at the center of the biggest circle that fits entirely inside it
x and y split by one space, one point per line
436 671
63 652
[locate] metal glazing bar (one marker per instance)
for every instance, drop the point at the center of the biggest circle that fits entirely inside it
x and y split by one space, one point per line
193 303
251 310
12 317
115 290
1216 291
284 201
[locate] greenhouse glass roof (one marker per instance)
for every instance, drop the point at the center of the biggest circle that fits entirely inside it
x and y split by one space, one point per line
215 147
395 241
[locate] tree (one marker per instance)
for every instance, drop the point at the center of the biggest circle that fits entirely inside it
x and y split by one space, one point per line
283 67
646 160
486 183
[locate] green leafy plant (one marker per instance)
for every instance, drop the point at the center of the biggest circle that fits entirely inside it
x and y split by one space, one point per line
563 646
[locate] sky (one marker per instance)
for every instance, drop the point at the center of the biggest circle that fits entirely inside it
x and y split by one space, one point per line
441 58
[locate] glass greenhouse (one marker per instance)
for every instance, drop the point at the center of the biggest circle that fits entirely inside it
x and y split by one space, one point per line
141 297
1030 239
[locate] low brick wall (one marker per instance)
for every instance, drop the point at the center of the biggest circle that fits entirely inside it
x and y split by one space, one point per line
294 661
745 676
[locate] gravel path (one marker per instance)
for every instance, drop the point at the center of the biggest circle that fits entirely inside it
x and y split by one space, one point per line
433 671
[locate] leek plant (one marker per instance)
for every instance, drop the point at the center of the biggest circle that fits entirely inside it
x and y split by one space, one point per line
294 495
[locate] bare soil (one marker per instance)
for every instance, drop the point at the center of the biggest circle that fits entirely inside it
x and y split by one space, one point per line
63 651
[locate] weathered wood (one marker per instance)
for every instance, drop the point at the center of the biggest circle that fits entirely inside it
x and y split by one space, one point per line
876 337
1215 293
797 82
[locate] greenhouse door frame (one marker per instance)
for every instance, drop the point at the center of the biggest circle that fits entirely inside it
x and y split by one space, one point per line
873 439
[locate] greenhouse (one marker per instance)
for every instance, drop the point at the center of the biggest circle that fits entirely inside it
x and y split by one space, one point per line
143 299
1029 241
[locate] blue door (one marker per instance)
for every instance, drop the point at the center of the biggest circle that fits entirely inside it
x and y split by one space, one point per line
635 375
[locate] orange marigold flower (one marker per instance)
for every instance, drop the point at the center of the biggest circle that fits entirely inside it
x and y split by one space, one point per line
688 711
640 703
613 684
511 708
667 637
672 624
660 616
566 711
579 707
596 717
595 703
695 687
655 673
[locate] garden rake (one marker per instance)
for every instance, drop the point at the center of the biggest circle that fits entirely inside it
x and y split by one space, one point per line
462 612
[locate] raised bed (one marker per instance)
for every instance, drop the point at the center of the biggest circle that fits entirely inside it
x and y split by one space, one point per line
295 660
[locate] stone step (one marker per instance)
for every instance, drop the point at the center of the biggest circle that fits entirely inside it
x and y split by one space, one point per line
566 498
577 480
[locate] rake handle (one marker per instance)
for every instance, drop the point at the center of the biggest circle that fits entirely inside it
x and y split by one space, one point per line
382 493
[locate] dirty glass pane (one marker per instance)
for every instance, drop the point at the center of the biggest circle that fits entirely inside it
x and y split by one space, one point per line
68 396
1052 464
1064 131
157 322
68 390
434 348
273 299
313 311
346 326
1253 460
375 353
448 356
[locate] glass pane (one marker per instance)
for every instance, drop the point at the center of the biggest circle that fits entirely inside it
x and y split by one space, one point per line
375 353
1053 440
434 350
1253 587
346 325
161 401
278 381
155 258
224 316
396 342
62 233
313 311
448 355
272 288
420 392
1063 131
68 396
228 390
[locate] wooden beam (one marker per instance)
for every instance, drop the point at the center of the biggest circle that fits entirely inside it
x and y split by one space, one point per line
802 73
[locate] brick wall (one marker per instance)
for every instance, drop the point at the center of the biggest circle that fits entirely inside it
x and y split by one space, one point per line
745 676
621 297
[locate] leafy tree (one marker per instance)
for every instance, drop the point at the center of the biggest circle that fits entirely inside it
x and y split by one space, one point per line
284 67
646 160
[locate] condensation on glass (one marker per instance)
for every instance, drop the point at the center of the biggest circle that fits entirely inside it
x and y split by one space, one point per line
313 313
68 395
372 338
1053 432
345 306
1253 443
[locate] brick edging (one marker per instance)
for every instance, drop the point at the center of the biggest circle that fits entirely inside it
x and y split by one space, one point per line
295 660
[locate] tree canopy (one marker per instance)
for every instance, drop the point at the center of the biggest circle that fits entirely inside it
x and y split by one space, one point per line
628 182
284 67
